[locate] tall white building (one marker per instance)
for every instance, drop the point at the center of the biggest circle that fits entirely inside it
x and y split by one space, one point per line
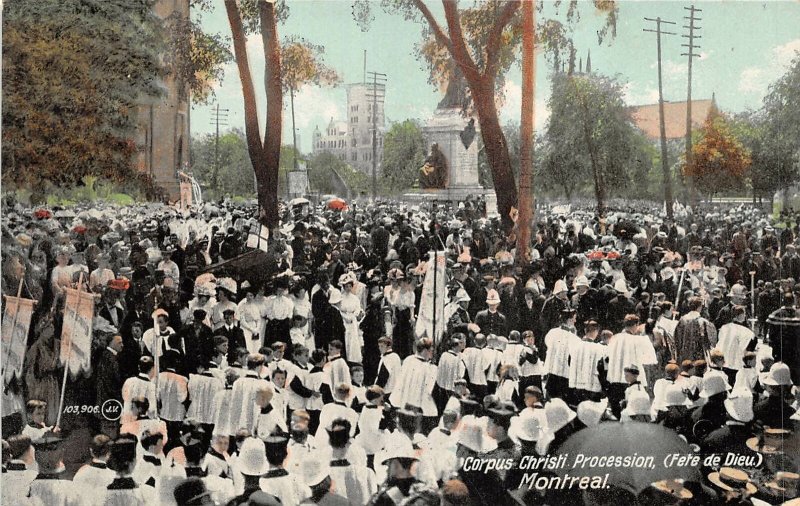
351 140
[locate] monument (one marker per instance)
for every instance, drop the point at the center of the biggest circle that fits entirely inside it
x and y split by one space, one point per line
450 172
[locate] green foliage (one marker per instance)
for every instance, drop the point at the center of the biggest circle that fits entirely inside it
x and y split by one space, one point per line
329 174
73 72
195 58
302 63
404 150
589 118
234 176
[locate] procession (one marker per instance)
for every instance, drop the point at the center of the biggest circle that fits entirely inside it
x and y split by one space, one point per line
347 375
400 252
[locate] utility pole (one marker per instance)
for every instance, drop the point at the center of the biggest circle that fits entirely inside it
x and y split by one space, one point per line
662 126
690 47
377 79
218 117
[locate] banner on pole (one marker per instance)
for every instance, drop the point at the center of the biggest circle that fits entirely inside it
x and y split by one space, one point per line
16 323
258 238
78 314
425 318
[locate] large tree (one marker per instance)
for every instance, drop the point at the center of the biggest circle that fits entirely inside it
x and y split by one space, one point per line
232 176
719 160
480 42
403 155
590 134
72 76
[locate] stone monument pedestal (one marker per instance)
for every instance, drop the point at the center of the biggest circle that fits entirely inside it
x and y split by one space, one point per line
445 129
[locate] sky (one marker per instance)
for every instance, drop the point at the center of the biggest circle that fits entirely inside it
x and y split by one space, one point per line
745 46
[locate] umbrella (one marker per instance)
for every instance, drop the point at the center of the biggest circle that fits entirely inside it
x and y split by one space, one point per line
337 204
299 201
592 451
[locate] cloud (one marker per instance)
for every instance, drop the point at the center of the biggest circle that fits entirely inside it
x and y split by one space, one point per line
755 80
632 96
315 106
752 80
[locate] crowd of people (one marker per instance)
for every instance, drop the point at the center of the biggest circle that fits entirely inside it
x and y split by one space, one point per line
289 368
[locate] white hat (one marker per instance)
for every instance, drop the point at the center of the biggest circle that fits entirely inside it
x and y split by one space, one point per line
400 450
492 297
227 284
461 296
528 427
561 286
335 296
582 281
315 471
779 375
738 292
621 287
590 413
667 273
348 277
739 405
674 396
558 414
713 384
471 435
638 404
253 457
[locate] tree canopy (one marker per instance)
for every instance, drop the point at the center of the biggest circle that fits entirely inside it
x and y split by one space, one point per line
719 160
303 64
403 155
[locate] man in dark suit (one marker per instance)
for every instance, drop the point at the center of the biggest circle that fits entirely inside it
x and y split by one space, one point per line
491 321
233 333
109 382
198 341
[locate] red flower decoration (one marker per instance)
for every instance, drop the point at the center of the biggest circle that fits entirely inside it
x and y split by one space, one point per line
79 229
613 255
595 255
42 214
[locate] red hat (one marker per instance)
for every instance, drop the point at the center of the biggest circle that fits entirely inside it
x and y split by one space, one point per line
119 284
79 229
42 214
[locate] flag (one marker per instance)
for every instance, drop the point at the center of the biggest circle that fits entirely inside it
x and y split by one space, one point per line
424 327
78 314
258 238
16 323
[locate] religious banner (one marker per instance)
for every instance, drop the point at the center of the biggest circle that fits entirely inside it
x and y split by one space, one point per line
16 323
258 237
76 336
431 319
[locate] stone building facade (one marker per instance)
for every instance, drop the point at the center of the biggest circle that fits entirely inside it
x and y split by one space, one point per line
351 140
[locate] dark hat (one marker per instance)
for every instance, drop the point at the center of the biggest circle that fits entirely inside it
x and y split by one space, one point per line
276 441
49 441
568 311
123 452
261 498
199 314
229 310
500 413
191 492
633 369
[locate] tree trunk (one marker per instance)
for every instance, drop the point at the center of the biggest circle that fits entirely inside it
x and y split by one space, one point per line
254 146
599 182
494 141
526 135
268 196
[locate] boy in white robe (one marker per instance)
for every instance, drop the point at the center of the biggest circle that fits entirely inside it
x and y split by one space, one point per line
316 381
37 412
747 376
450 369
416 382
223 414
734 339
560 342
370 434
298 379
476 364
336 370
671 373
140 385
94 477
173 392
627 348
281 483
125 489
21 470
203 387
388 367
584 377
243 398
355 482
337 409
270 419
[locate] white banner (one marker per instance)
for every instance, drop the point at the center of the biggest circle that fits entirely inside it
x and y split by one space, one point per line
16 323
258 238
425 323
78 314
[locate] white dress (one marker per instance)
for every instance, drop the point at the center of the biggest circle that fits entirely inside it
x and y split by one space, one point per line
250 318
350 308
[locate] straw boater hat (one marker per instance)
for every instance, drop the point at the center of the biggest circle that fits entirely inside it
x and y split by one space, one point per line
783 487
730 479
672 490
772 441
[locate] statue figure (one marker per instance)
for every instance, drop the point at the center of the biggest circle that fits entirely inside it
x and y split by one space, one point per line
434 173
455 95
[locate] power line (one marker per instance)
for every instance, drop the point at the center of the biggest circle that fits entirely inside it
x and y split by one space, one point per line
664 164
691 46
218 117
